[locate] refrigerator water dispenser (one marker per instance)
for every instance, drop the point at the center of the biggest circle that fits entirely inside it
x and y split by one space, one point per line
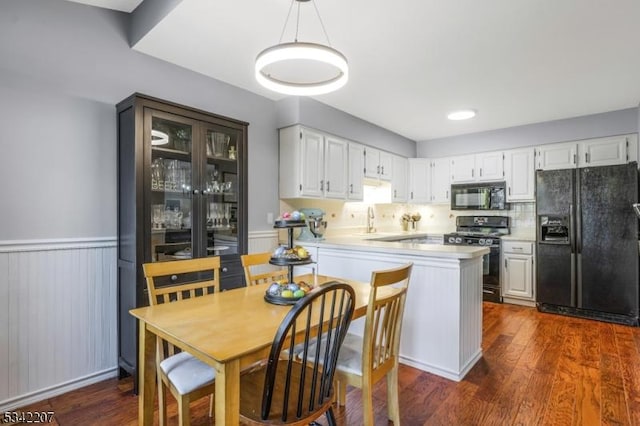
554 229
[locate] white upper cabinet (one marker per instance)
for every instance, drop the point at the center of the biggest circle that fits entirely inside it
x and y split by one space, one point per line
304 173
487 166
463 169
312 159
420 180
557 156
520 174
400 179
607 151
604 151
378 164
440 181
335 168
386 166
355 189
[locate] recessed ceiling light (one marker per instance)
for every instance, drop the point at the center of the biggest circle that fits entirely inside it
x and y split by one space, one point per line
463 114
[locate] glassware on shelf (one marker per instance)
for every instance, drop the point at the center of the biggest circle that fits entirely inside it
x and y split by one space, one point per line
157 174
220 144
157 216
185 177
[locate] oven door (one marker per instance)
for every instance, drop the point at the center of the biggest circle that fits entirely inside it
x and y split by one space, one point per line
491 275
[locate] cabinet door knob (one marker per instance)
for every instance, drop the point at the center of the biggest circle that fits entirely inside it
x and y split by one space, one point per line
225 269
174 278
196 192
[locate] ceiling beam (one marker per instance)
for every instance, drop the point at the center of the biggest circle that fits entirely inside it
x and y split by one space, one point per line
146 16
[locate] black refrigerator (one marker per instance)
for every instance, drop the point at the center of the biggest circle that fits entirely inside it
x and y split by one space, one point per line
587 242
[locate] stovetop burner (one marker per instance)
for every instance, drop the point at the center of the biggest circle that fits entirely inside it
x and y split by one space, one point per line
479 230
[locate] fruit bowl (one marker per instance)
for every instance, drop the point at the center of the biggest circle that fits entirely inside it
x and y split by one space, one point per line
290 256
286 294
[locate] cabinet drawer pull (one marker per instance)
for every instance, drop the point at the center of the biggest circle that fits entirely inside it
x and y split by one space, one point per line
328 183
351 188
321 185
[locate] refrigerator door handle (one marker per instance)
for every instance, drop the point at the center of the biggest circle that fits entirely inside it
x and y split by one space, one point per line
578 300
572 229
573 279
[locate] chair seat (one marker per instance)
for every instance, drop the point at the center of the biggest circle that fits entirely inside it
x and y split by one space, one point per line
350 357
186 372
252 385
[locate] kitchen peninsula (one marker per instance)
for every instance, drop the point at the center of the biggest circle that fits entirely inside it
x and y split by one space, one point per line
442 325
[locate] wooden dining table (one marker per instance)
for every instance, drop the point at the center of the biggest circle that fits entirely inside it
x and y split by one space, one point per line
230 331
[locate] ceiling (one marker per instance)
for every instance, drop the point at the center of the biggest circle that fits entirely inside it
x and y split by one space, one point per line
121 5
412 62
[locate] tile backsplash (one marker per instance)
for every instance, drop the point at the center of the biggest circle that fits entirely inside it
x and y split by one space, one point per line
343 217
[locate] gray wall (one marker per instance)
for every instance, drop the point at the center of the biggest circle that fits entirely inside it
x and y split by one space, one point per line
76 60
57 166
590 126
315 114
65 65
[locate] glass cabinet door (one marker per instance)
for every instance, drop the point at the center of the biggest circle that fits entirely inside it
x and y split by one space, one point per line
171 178
221 190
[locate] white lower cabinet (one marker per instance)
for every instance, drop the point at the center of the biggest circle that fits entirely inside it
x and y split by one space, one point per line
518 272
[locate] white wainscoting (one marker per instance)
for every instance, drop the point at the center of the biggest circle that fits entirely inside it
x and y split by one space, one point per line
58 317
261 241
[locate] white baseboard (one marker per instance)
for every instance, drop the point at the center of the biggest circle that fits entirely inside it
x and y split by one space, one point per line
59 389
446 373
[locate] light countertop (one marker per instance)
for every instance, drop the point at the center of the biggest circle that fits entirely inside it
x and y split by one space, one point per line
366 243
528 234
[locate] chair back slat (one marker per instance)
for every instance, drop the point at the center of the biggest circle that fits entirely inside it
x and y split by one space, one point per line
171 293
384 320
258 270
303 380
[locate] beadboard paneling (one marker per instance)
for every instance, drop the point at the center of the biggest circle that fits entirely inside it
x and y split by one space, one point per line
261 241
57 316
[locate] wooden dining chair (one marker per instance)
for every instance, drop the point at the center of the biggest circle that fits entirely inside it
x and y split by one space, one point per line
365 360
292 391
186 377
250 262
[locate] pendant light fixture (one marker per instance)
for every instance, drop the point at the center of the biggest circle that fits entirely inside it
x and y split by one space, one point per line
301 68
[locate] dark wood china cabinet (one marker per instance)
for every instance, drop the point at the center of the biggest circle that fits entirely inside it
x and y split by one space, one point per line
182 193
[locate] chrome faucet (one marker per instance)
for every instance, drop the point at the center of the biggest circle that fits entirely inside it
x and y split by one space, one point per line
370 217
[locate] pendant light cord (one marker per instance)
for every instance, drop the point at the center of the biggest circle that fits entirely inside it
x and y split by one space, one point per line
321 23
284 27
286 21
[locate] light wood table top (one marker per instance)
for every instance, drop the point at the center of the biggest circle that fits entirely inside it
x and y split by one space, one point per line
230 330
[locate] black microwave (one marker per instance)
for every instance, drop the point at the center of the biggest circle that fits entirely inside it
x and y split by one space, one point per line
479 196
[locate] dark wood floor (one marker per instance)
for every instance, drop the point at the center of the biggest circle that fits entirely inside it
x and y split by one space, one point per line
537 369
